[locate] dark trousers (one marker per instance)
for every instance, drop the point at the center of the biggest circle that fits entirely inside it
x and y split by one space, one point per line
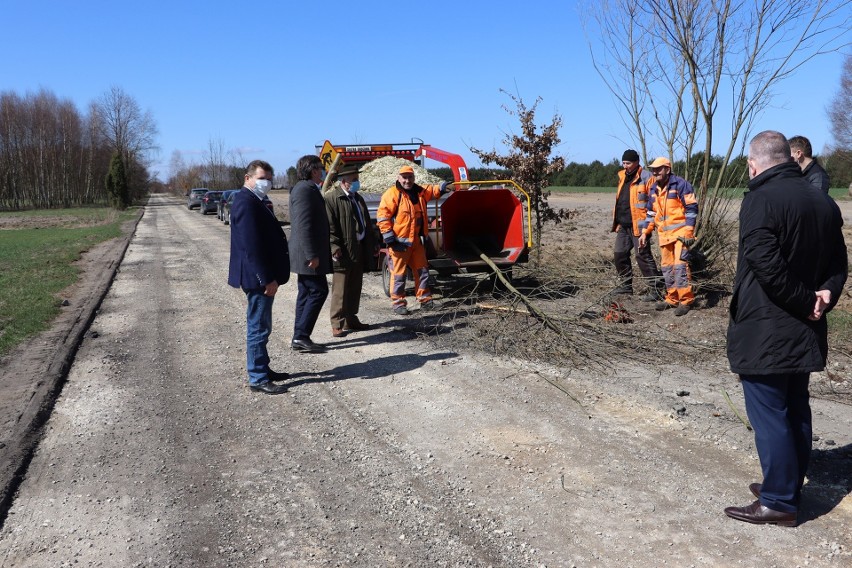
626 242
346 296
778 408
312 292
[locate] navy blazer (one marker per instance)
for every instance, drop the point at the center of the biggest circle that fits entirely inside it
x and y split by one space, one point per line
309 233
259 252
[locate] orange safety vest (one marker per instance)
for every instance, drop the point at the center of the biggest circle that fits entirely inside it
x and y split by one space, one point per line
672 210
638 199
398 214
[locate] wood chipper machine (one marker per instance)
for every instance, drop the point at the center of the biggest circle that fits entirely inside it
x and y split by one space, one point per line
480 222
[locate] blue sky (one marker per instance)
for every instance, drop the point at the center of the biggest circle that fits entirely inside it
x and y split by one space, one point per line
274 79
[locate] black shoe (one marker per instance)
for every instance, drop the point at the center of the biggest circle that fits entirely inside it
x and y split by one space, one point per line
755 489
269 388
627 290
276 376
662 306
682 310
401 311
427 306
306 346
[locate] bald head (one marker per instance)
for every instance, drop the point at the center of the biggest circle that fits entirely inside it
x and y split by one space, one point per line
767 149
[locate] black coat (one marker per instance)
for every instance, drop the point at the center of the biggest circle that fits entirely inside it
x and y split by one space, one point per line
308 230
818 177
258 246
790 245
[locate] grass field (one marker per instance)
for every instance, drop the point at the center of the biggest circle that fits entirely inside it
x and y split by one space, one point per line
38 263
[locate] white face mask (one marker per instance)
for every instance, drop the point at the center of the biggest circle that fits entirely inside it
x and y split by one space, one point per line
262 186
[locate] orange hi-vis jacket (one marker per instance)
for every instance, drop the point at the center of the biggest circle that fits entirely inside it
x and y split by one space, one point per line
398 214
638 199
672 211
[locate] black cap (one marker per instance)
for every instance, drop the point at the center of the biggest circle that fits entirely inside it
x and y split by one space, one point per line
630 156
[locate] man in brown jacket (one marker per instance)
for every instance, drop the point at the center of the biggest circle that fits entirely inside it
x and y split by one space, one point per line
352 238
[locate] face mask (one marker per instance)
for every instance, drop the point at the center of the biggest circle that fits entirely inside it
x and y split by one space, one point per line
262 186
355 186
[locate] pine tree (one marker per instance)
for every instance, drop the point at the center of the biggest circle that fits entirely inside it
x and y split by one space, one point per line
116 183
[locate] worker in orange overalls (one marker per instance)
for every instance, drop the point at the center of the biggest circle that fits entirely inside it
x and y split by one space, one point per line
672 210
404 223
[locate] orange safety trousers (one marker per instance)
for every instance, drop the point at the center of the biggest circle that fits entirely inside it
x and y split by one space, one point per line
676 274
415 259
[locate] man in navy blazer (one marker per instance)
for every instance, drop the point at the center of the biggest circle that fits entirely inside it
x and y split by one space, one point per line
310 251
259 264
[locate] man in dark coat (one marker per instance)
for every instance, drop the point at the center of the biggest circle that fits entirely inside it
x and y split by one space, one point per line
259 264
310 253
791 268
802 153
351 250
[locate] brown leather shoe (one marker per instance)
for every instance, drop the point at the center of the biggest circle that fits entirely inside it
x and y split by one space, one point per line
761 515
755 489
337 332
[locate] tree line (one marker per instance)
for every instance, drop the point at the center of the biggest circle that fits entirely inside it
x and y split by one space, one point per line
838 164
53 155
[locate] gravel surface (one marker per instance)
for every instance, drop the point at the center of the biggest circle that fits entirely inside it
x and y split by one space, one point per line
390 450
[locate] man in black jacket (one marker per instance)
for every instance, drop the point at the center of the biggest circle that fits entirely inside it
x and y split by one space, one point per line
259 264
791 268
802 153
310 252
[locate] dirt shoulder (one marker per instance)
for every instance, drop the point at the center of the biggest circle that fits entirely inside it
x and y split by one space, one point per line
31 376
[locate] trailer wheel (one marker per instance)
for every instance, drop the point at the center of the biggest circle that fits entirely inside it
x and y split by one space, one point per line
386 275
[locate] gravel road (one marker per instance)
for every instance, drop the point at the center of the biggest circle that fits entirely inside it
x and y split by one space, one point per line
389 450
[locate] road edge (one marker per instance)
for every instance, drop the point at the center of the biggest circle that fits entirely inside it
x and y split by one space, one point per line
49 379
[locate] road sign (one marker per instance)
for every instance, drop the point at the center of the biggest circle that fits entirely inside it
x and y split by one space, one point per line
327 155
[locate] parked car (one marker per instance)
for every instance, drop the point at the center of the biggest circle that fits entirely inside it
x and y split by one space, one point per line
220 209
226 213
210 202
194 197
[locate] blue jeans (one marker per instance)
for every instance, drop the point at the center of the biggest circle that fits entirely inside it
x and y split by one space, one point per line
258 328
779 410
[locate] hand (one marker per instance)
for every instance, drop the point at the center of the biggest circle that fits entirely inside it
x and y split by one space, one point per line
823 299
687 241
447 186
313 263
270 288
336 255
643 240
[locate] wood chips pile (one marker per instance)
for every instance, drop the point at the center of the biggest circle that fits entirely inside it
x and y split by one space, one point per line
378 175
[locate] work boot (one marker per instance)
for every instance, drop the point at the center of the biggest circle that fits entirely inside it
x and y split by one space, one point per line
401 310
682 309
662 306
623 289
427 306
651 296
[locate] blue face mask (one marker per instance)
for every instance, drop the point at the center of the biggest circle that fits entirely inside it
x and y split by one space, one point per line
355 186
262 186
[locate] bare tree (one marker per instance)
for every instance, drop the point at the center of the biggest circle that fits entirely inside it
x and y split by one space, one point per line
530 160
840 111
128 131
706 50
